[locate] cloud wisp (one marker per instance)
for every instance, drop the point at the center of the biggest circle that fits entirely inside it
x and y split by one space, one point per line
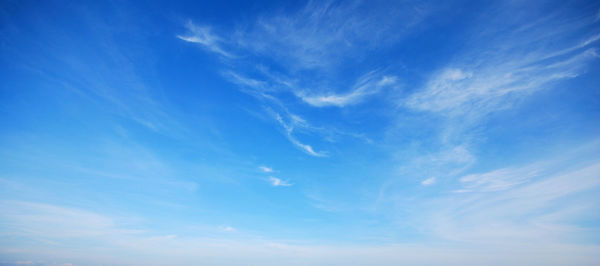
516 207
204 36
366 86
500 179
325 34
289 126
428 182
266 169
319 36
277 182
495 82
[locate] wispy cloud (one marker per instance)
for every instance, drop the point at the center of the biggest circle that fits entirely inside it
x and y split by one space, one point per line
276 182
289 126
448 161
322 34
428 182
500 179
113 83
57 222
203 36
316 37
266 169
536 202
495 82
366 86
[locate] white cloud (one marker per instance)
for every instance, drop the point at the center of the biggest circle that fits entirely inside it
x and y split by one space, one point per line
323 34
318 36
203 35
483 82
428 181
244 81
500 179
366 86
289 127
530 204
266 169
305 147
489 241
449 161
276 182
45 220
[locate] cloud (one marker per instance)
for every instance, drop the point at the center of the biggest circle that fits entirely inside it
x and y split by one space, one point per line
486 239
482 82
276 182
296 121
500 179
458 92
203 36
261 90
448 161
305 147
428 181
324 34
318 36
245 82
365 87
113 82
227 228
532 203
266 169
58 222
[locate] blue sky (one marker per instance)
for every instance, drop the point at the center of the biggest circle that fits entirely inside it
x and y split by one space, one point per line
300 133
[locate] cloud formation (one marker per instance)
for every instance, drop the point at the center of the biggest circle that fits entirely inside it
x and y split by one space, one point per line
365 86
203 36
266 169
276 182
428 182
486 83
293 122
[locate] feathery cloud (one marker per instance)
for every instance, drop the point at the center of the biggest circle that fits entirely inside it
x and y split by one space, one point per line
500 179
516 211
289 127
365 87
203 36
496 82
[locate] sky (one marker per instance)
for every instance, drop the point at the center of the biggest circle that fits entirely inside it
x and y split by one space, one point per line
299 133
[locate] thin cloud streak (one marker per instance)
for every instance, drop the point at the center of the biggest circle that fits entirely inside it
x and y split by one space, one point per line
523 211
203 36
496 82
289 128
366 87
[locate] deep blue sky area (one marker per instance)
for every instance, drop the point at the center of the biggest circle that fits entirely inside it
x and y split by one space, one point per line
299 133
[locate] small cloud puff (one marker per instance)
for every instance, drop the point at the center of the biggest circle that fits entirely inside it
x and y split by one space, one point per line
276 182
266 169
428 181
